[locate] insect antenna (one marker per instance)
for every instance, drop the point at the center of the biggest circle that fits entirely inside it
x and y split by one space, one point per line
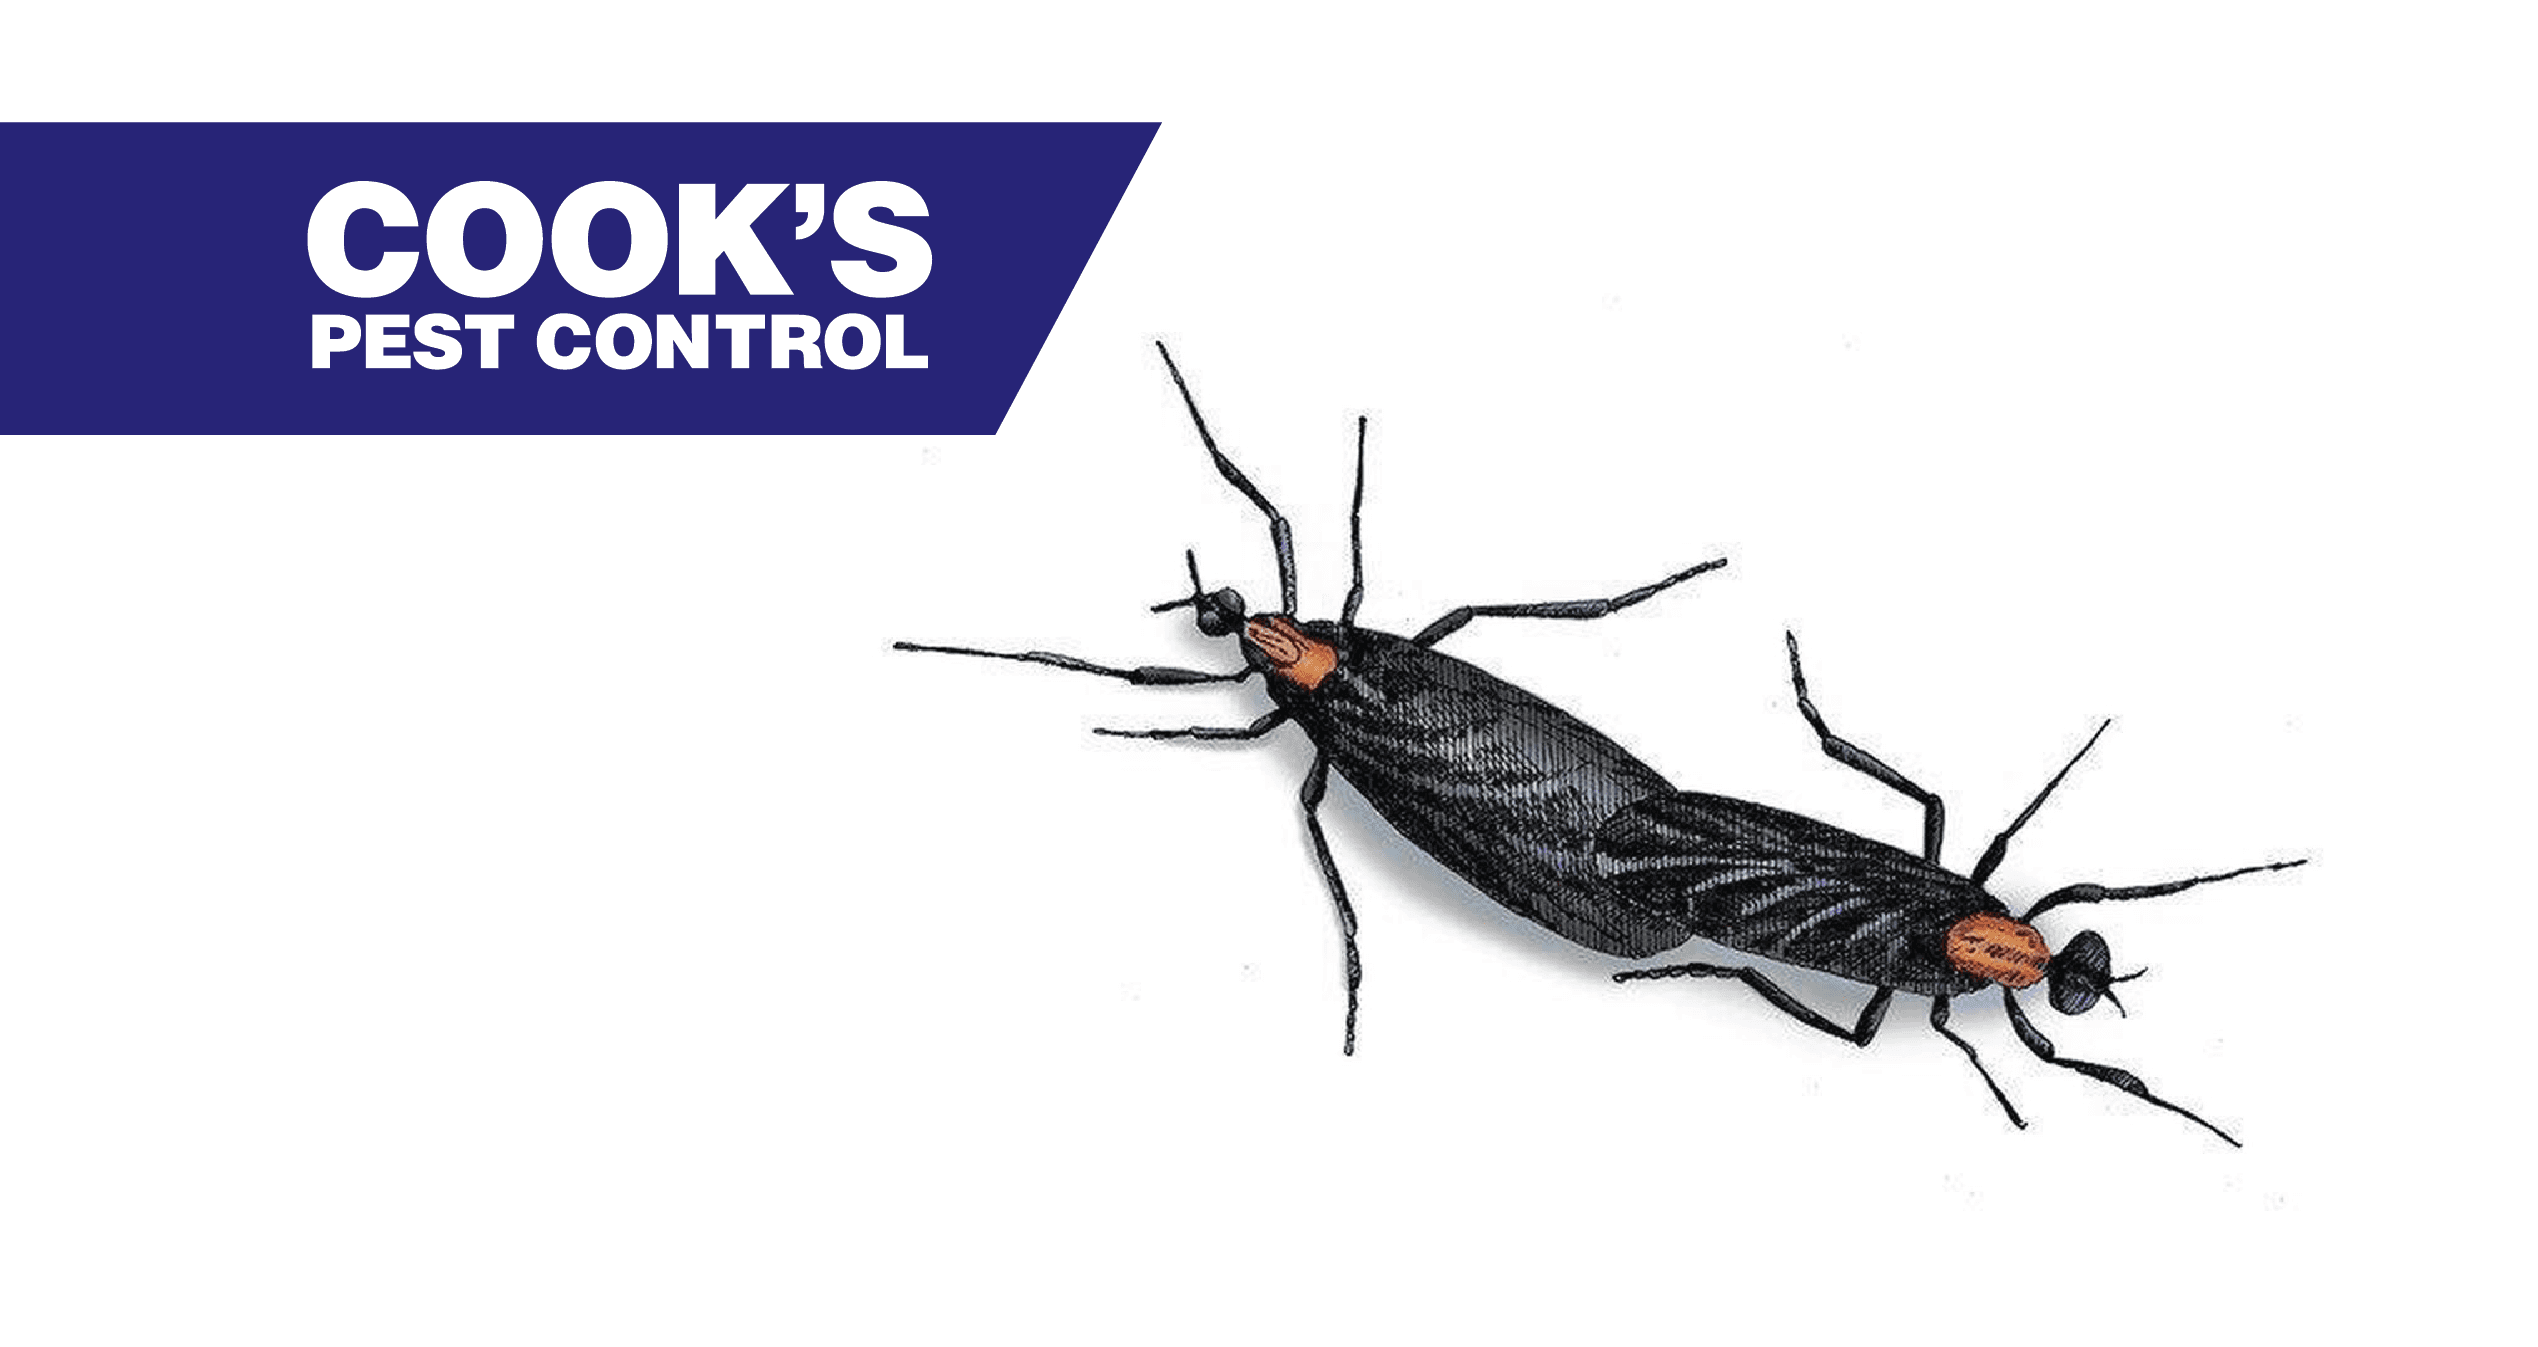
1198 592
1998 851
2100 893
1280 537
2109 991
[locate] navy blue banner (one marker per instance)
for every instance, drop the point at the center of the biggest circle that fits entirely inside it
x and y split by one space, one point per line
558 278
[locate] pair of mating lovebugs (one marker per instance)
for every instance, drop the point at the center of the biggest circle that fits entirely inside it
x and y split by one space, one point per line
1555 821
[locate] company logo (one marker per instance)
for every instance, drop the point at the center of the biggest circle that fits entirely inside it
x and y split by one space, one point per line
575 278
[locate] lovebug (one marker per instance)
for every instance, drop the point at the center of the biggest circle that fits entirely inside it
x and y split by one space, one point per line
1789 888
1504 788
1553 820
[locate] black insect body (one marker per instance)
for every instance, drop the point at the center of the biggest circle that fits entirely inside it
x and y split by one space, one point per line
1798 891
1509 791
1504 788
1793 890
1552 819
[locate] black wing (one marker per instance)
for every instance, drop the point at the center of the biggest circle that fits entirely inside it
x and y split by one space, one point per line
1504 788
1787 887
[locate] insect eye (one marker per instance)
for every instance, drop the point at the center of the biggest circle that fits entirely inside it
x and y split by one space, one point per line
1222 612
2078 975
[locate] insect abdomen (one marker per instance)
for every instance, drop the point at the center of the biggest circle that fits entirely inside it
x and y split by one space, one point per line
1500 786
1789 888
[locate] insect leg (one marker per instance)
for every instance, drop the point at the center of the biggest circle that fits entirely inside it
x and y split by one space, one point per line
1934 813
1314 781
1356 546
1147 675
1939 1021
1871 1016
1253 730
1281 539
1999 849
2121 1079
2100 893
1575 609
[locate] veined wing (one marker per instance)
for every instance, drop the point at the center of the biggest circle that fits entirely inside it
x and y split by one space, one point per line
1787 887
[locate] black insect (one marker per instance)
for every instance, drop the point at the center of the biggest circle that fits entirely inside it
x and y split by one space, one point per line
1553 820
1786 887
1503 787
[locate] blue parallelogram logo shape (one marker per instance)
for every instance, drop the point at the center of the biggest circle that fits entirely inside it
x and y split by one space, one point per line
540 278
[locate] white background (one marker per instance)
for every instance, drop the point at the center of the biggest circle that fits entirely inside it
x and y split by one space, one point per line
506 891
